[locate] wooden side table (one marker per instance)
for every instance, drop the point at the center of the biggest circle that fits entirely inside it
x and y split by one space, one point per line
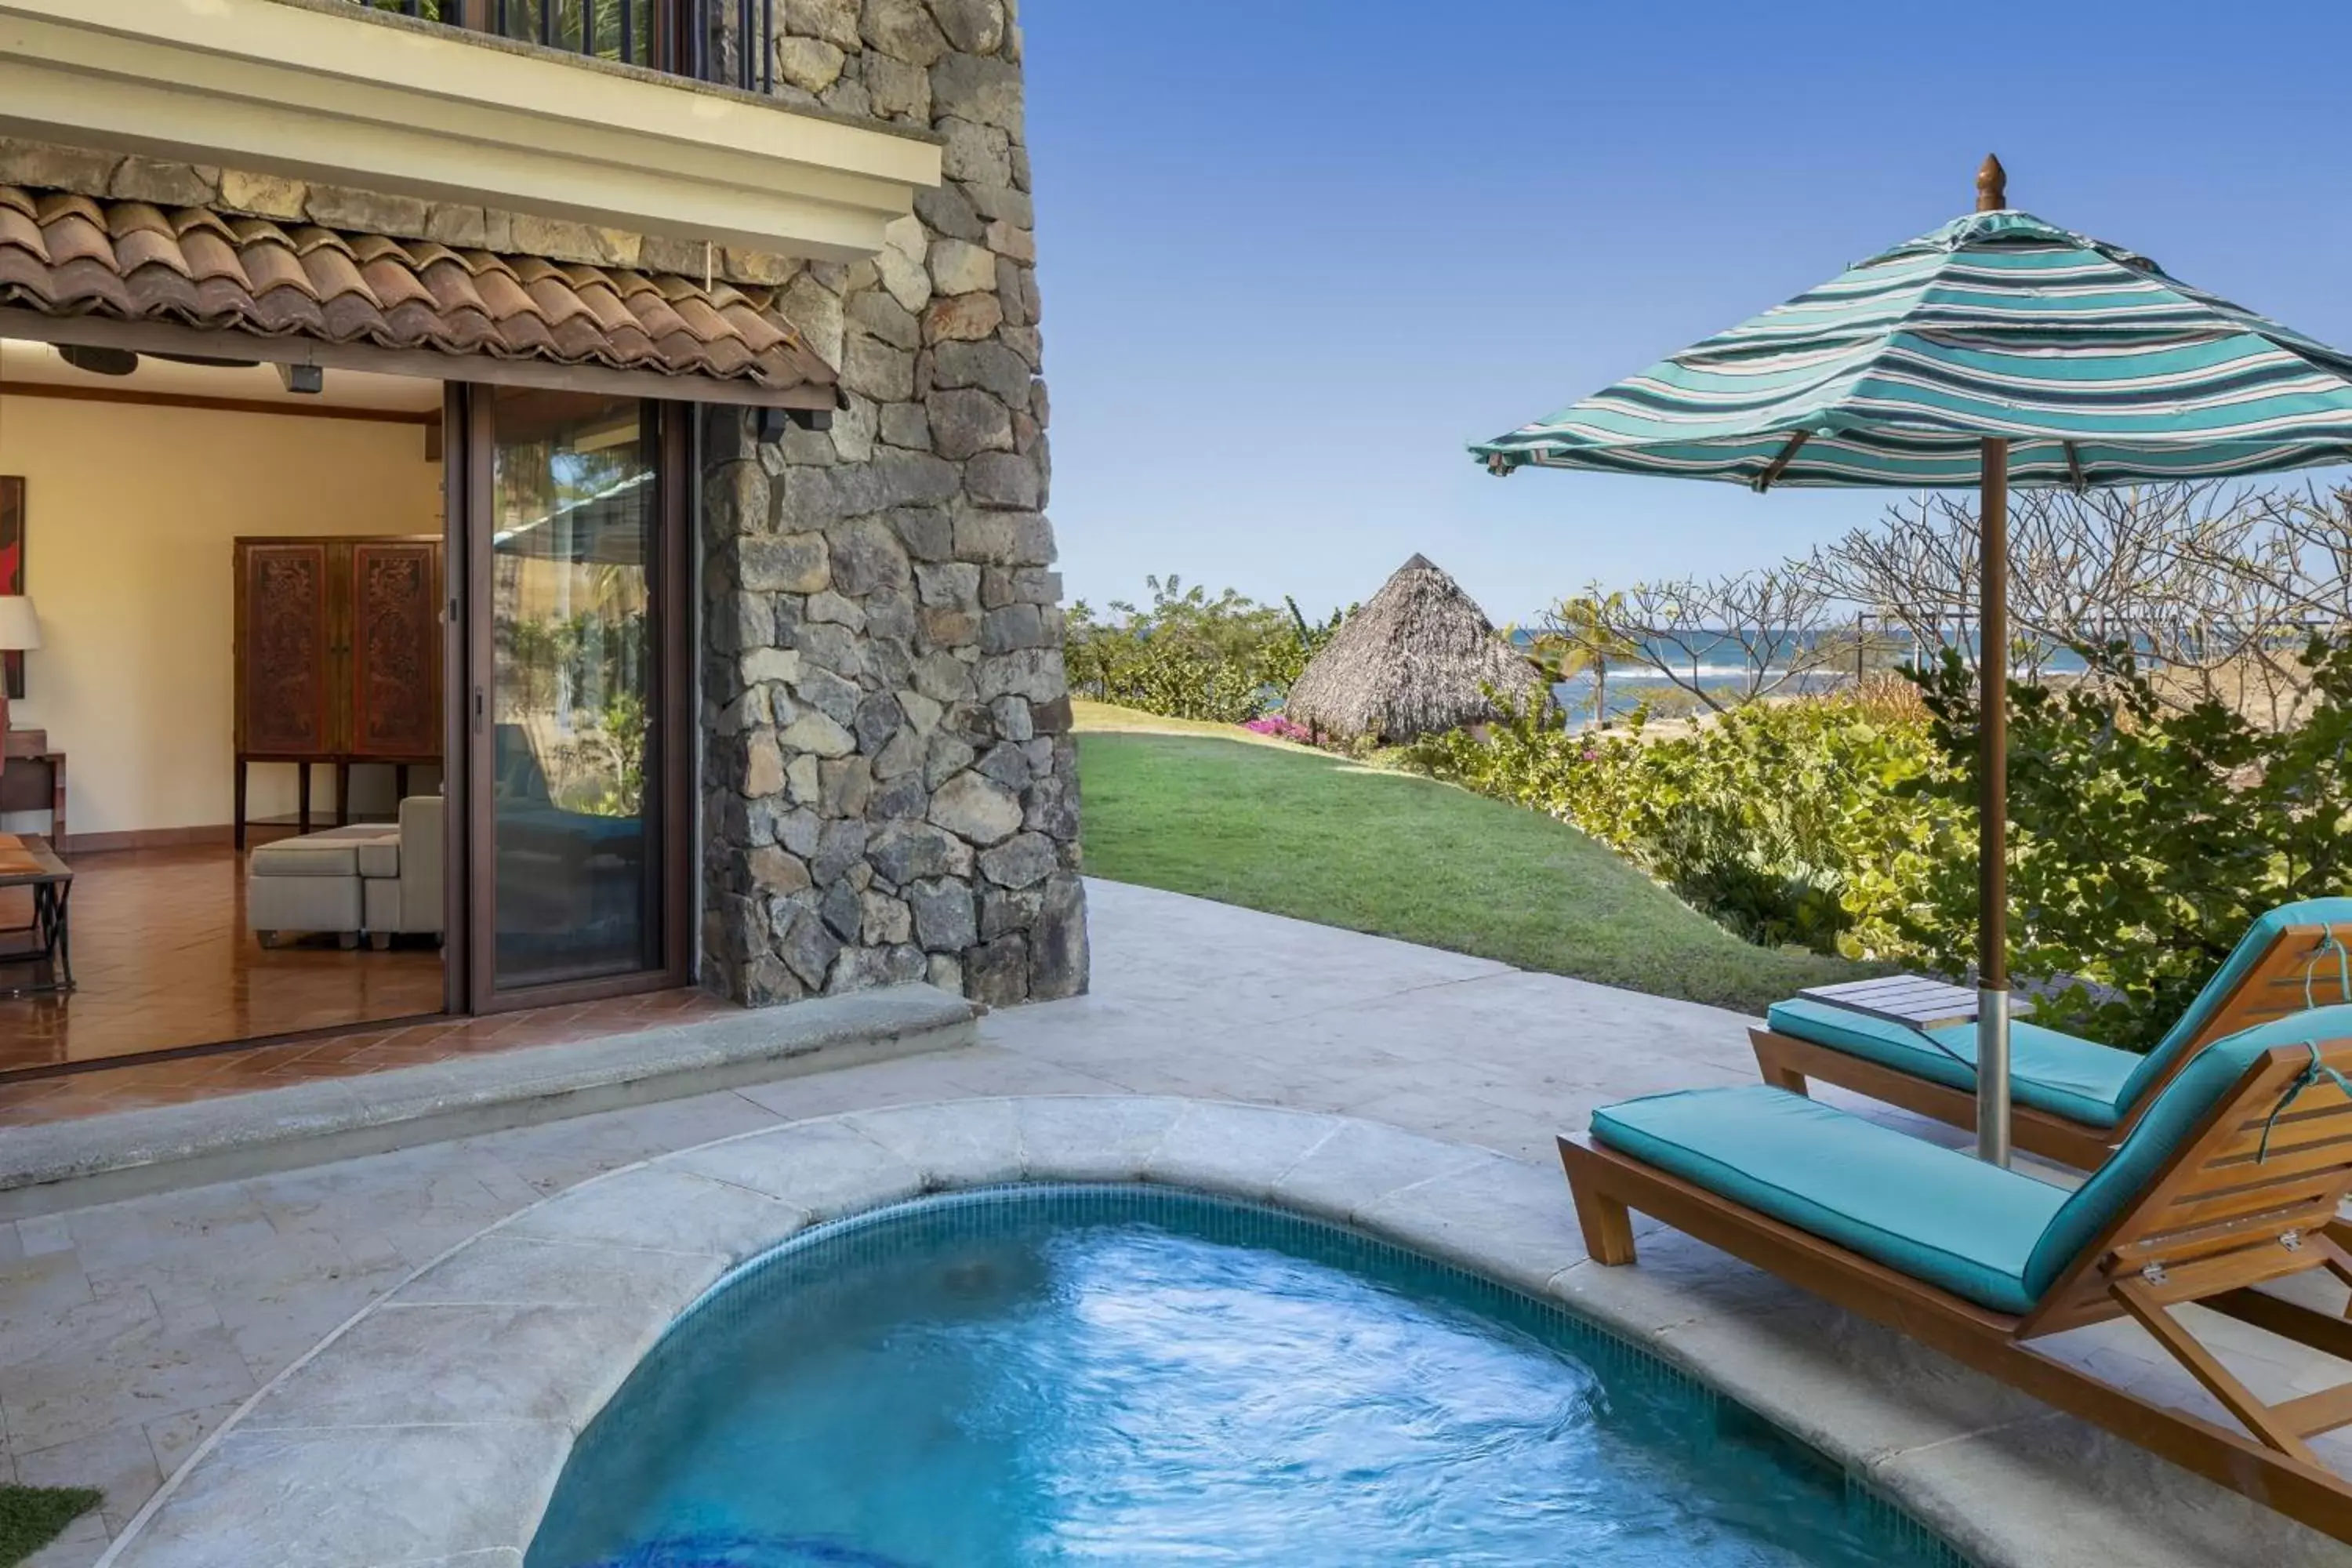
33 778
1913 1001
31 863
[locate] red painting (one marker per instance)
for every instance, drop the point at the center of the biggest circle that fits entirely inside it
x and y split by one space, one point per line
12 569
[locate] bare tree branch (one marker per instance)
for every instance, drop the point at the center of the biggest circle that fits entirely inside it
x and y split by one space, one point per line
2209 587
1726 641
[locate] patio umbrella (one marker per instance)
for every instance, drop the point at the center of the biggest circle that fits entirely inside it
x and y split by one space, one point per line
2000 350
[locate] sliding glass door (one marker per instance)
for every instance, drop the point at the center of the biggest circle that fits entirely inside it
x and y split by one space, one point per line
576 743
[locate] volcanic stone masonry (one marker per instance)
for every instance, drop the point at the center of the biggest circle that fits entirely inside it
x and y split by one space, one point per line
891 789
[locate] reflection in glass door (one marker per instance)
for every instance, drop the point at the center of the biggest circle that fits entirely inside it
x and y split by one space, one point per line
571 741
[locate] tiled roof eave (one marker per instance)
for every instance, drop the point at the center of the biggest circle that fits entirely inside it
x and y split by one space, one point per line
161 337
73 268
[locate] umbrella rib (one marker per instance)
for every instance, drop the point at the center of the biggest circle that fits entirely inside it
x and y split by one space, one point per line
1764 480
2074 467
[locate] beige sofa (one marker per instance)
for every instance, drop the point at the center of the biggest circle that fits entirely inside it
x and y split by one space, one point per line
400 879
377 880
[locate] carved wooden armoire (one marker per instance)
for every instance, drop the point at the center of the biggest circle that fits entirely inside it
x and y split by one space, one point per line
337 657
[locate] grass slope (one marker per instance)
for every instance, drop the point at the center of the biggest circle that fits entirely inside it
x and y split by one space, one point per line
1297 832
32 1517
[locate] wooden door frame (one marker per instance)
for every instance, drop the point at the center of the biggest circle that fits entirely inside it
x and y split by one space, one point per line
457 490
471 964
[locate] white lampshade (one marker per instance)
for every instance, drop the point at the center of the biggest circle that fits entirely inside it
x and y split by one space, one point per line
20 628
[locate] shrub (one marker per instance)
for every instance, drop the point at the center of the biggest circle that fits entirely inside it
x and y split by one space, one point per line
1187 655
1281 728
1788 822
2144 836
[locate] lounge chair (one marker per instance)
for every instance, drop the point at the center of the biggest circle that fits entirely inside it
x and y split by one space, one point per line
2226 1183
2071 1100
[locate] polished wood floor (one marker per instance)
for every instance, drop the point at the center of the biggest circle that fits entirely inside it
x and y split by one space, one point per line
163 960
164 963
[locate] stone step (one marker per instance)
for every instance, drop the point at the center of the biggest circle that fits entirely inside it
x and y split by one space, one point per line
100 1159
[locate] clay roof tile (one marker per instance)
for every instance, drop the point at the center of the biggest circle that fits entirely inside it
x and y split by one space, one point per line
333 274
18 231
393 284
86 284
71 235
160 291
275 269
210 255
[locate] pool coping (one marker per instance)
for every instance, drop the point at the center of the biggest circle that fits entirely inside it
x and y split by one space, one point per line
430 1428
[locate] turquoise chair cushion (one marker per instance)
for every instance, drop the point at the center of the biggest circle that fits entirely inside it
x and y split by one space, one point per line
2328 981
1996 1238
1929 1212
2052 1070
2048 1070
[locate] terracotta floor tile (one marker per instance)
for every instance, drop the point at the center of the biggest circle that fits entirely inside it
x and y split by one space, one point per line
164 962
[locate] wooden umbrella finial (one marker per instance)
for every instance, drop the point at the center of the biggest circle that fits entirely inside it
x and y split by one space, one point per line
1993 186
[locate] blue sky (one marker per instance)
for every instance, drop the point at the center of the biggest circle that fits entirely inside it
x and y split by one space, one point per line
1295 253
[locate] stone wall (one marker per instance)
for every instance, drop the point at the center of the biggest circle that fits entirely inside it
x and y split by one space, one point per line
891 787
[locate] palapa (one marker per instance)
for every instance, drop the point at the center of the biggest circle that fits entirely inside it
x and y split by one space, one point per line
1418 660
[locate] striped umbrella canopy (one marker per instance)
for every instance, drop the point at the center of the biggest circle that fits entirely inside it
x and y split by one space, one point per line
2096 365
2000 350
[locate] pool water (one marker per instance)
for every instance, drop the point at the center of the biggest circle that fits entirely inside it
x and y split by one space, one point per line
1110 1375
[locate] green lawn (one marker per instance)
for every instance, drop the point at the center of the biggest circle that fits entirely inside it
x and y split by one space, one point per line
32 1517
1297 832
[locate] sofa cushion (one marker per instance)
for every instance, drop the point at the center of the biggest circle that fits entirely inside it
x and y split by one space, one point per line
304 904
2048 1070
333 853
1929 1212
379 857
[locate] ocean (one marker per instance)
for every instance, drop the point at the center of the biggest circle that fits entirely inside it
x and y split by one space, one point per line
1723 663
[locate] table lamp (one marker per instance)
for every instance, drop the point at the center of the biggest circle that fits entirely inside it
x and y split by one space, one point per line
19 629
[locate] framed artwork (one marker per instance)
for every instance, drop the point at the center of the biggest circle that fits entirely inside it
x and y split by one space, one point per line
12 569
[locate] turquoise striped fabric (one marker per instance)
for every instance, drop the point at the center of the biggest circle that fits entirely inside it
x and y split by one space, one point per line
2099 367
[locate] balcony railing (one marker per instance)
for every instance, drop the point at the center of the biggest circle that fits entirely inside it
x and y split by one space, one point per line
702 39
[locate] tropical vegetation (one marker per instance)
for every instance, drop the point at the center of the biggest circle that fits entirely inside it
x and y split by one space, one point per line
2179 727
2145 835
1186 655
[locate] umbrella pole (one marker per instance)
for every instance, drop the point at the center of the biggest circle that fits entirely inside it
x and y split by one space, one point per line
1992 814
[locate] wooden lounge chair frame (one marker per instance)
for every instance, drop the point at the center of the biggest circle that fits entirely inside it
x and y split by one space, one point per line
2277 984
2222 1218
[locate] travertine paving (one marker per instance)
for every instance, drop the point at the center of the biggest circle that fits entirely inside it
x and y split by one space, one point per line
129 1331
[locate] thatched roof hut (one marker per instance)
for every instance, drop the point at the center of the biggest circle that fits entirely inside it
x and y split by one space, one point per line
1414 661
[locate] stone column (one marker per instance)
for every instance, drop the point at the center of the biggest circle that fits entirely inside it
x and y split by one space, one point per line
891 789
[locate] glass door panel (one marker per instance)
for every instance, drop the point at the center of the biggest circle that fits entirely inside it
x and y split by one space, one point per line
574 698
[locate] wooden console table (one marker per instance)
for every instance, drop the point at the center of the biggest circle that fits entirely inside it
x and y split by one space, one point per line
33 778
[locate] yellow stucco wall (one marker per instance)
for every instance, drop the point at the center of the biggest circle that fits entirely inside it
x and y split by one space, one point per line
130 513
